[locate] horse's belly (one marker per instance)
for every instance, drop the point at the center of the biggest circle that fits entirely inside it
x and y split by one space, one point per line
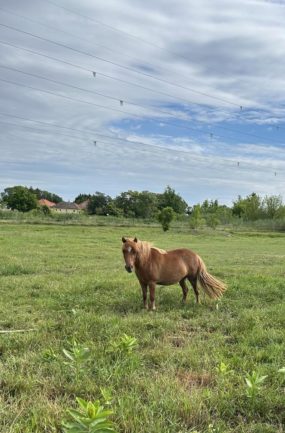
166 283
167 278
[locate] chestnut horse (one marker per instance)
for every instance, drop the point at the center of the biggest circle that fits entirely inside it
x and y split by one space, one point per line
155 266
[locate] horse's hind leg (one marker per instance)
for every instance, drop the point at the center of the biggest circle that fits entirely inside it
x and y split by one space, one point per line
184 289
193 281
152 296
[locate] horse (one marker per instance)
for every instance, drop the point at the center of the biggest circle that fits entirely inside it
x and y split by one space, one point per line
156 266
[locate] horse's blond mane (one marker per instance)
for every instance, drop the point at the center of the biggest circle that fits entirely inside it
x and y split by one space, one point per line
145 249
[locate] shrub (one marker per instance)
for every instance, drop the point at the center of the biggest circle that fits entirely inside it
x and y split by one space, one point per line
165 216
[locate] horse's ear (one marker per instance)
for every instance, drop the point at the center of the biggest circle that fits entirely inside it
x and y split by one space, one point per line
124 239
135 239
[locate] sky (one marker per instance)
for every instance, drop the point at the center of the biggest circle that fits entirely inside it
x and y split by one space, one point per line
137 95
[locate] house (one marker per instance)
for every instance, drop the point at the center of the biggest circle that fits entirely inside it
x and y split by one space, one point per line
84 204
45 202
66 207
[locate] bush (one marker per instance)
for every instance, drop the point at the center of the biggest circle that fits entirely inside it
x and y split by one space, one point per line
165 216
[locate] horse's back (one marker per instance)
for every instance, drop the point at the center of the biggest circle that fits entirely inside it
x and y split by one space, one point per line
174 265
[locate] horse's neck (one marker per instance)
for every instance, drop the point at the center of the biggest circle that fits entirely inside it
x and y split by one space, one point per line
148 256
144 256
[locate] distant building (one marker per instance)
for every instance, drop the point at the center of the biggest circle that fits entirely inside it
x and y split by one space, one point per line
45 202
84 204
66 207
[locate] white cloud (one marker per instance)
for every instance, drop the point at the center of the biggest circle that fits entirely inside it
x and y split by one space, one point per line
233 51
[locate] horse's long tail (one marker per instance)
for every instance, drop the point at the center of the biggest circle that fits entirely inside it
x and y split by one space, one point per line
213 287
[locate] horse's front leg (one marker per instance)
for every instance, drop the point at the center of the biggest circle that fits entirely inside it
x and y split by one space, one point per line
144 294
152 296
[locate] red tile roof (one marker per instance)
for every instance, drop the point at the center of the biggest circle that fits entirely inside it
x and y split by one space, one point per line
84 204
44 202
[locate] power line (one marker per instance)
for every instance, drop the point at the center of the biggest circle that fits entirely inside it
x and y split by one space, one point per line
76 36
114 28
46 56
233 161
33 128
122 101
96 72
72 11
120 65
85 130
8 11
93 104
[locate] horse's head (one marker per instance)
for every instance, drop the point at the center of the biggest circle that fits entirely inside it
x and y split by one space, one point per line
130 251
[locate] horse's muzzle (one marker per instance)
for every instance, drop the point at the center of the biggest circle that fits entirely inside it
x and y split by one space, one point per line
129 269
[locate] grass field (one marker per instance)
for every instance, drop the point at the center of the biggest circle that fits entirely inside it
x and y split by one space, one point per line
66 283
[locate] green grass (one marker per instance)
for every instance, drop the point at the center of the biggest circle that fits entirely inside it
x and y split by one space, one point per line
68 282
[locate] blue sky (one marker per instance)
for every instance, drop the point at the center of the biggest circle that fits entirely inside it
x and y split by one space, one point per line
182 71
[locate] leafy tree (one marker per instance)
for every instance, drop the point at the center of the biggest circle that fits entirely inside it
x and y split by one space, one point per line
98 203
81 198
209 207
196 219
280 212
40 194
137 204
125 202
165 216
239 207
250 207
224 214
253 209
271 205
112 209
19 198
169 198
212 220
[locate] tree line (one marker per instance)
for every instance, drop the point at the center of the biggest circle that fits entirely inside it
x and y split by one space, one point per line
149 205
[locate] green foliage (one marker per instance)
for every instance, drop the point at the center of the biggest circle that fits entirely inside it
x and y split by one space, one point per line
76 356
49 355
45 210
81 198
272 205
125 345
137 204
196 220
212 221
113 210
253 382
46 195
19 198
169 198
91 417
250 207
165 216
224 369
98 204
